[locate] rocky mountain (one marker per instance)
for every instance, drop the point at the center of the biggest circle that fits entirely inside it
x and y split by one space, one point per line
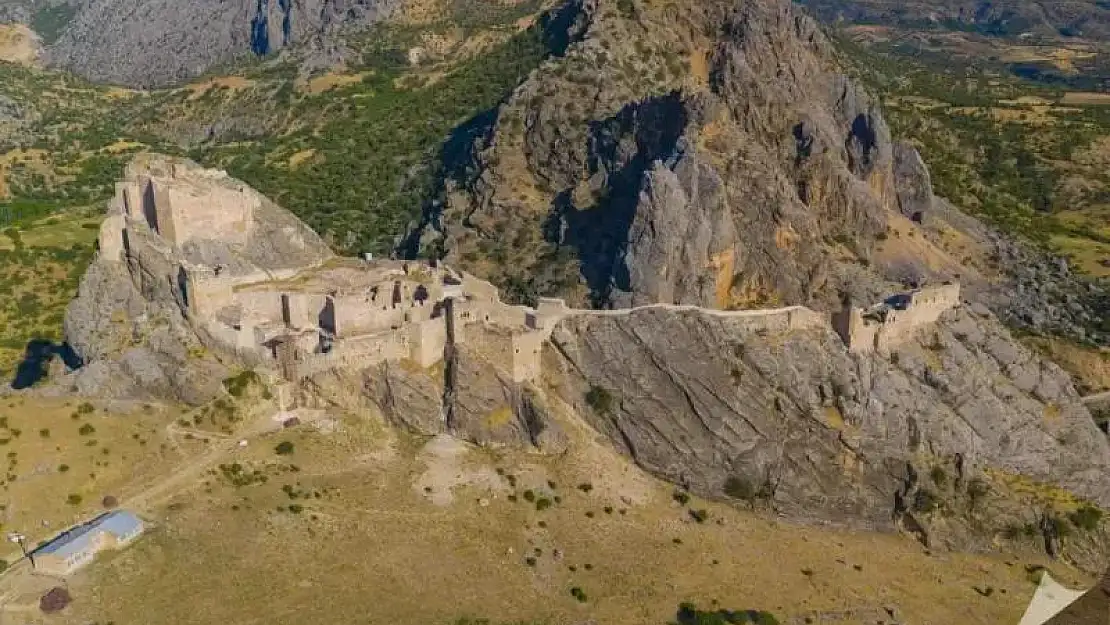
145 44
711 155
1008 17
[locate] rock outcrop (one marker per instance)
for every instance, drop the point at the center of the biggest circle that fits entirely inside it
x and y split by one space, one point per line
701 401
709 154
144 43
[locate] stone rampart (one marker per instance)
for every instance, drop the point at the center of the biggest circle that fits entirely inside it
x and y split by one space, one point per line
110 240
358 353
885 326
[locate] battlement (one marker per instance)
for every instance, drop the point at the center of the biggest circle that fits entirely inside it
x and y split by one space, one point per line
890 322
179 201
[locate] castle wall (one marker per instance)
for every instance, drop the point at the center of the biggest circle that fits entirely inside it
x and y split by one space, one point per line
110 239
302 310
527 348
156 201
356 314
204 296
427 341
260 305
358 353
479 289
924 308
182 211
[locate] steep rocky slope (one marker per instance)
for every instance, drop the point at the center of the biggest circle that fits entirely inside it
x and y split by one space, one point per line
701 401
707 154
142 43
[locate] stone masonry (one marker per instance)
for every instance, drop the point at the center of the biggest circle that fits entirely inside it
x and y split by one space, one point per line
304 318
885 325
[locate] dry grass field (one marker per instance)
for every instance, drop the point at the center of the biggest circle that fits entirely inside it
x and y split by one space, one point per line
62 457
359 524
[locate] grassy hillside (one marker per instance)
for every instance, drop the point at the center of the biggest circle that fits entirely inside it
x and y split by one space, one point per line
1029 157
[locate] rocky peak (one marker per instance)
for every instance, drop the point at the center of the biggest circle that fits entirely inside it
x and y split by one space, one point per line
145 43
707 154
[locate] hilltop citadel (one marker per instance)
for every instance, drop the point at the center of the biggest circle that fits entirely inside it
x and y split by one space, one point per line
306 312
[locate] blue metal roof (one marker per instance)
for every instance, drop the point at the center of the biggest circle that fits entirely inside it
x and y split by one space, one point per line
119 523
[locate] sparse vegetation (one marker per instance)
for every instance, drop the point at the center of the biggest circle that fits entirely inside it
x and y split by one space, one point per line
238 384
600 400
1086 517
939 477
689 614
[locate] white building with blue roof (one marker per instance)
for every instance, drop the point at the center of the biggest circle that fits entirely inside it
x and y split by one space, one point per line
77 547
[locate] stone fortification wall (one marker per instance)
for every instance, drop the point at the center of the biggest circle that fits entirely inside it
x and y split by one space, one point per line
885 327
427 341
110 240
302 310
181 201
527 349
358 353
260 305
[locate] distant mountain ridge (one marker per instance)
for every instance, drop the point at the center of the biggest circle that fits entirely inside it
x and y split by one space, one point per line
1069 18
150 43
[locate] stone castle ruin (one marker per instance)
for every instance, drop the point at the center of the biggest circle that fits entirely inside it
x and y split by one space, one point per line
890 322
253 281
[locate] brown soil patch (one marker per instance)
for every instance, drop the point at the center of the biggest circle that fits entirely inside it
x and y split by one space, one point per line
1081 98
299 158
233 83
628 545
699 66
329 81
19 44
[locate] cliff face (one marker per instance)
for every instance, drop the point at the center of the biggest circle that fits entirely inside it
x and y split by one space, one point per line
701 400
146 43
707 154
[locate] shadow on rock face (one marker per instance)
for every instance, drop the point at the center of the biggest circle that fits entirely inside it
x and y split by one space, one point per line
36 362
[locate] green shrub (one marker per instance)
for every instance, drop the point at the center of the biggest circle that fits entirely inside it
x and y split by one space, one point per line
925 501
238 384
600 399
86 429
529 496
284 448
62 468
296 508
74 499
578 594
44 432
1087 518
700 515
689 614
977 489
683 497
939 477
585 487
543 503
